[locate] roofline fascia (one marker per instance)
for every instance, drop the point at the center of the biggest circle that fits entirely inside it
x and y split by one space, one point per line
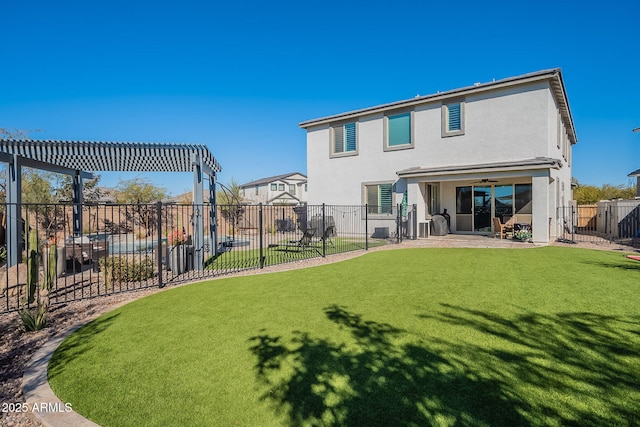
483 87
553 75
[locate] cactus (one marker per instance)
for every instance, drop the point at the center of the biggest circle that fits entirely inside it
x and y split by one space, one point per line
33 253
51 267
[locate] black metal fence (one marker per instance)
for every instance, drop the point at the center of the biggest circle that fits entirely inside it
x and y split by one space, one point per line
616 221
130 247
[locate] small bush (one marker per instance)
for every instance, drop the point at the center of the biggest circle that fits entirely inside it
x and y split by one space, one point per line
123 269
34 320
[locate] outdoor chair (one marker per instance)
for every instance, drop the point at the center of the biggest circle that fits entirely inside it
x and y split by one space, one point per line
328 233
501 230
305 242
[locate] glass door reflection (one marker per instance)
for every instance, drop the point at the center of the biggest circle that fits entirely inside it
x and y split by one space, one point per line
482 209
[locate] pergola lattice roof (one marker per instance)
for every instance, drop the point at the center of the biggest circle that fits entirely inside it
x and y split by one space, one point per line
112 156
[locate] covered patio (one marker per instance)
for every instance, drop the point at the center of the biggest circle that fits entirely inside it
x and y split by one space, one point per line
473 195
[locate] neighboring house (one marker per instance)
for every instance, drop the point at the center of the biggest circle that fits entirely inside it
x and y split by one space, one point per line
286 189
489 150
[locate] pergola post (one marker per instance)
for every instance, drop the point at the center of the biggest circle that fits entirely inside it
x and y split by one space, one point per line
15 224
77 204
198 205
213 218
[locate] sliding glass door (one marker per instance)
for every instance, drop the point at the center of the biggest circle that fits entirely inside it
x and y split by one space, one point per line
503 202
476 205
482 209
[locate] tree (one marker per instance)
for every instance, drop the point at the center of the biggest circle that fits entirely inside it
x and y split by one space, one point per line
12 133
9 133
139 190
91 193
232 205
37 187
589 194
140 193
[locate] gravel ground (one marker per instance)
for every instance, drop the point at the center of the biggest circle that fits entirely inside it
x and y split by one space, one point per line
17 346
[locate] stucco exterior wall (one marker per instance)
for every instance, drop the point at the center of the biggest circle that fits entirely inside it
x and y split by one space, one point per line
510 124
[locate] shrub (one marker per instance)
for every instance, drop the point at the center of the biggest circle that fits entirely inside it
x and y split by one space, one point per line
34 321
123 269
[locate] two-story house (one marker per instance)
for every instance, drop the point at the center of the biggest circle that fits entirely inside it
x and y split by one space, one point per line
494 149
286 189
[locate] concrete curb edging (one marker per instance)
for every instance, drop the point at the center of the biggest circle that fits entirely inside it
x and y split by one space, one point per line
38 393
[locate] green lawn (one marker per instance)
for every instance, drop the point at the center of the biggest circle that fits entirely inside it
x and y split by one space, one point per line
479 337
284 251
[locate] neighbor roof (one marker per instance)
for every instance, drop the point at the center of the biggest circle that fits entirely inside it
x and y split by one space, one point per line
270 179
113 156
554 75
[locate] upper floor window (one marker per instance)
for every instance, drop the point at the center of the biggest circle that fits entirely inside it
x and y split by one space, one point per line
274 187
399 131
292 189
453 119
280 187
257 190
345 139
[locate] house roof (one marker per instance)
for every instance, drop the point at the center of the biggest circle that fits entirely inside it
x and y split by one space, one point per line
554 75
634 173
527 164
270 179
284 196
113 156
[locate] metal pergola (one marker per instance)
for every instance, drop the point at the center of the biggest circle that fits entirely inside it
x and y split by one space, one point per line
74 158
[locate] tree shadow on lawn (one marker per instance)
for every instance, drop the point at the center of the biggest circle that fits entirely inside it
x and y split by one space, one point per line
77 343
624 264
572 368
377 379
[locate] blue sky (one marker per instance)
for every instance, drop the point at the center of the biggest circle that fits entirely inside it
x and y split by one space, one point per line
240 76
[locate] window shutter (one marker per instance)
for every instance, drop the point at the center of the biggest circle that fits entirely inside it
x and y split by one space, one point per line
372 198
386 201
338 139
453 122
350 137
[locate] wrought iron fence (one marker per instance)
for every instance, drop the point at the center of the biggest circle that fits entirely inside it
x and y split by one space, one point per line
118 248
607 221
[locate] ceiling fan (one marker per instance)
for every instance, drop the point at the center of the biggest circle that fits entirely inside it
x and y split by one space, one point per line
485 180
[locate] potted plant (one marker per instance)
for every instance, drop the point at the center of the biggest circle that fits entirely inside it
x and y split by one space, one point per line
524 235
177 259
177 237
